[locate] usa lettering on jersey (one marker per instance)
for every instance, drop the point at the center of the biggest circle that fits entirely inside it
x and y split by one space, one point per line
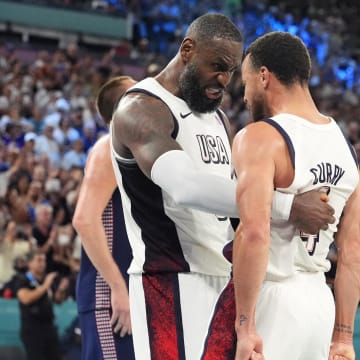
212 149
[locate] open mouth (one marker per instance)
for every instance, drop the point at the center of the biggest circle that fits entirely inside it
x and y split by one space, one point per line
213 93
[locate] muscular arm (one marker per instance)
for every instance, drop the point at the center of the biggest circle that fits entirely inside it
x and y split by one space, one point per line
96 190
255 154
142 128
347 280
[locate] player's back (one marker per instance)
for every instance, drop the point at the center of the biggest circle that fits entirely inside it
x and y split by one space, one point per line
322 158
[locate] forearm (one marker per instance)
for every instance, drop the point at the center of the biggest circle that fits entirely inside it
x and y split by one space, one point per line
347 295
46 247
94 241
250 256
176 174
27 296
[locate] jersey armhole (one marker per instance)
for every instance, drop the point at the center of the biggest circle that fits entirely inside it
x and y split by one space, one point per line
286 137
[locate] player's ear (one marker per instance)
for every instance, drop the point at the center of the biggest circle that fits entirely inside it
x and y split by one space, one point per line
186 49
264 76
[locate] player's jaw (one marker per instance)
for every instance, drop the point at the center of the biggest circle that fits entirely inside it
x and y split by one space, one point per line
200 98
258 109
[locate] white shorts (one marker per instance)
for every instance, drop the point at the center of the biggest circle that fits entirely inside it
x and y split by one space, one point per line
170 313
295 318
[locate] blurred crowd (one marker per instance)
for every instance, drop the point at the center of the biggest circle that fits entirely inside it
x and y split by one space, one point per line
48 118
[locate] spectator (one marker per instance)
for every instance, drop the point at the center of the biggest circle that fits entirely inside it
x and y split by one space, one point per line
37 329
13 244
45 233
75 157
35 197
61 214
64 134
46 146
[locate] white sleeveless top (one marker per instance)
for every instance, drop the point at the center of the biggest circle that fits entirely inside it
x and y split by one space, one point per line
163 236
322 158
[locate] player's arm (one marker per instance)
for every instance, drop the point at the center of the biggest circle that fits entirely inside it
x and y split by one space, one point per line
96 190
347 280
144 126
254 152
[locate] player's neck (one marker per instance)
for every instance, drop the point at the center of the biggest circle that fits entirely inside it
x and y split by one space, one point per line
168 77
298 102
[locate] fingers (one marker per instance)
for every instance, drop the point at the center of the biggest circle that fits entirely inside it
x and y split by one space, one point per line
120 326
324 227
324 197
124 331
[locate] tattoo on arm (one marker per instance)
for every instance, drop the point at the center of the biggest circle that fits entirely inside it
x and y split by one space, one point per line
243 319
343 328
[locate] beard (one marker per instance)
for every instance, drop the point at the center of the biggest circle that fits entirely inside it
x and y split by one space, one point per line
259 109
193 94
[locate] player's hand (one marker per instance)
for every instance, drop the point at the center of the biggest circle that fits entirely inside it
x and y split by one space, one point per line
249 347
120 319
341 351
310 212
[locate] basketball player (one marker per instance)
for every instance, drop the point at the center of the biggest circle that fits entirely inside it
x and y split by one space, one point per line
102 289
284 308
172 160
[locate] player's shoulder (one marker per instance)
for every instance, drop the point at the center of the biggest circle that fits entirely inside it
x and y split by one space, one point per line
99 155
101 145
259 130
139 102
139 116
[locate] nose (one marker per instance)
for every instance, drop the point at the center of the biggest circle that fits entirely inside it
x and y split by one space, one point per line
224 78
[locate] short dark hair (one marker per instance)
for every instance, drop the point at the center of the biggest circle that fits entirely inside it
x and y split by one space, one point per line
37 251
109 95
283 54
211 26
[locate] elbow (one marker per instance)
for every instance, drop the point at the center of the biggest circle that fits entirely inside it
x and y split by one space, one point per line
349 252
24 300
255 234
80 222
181 198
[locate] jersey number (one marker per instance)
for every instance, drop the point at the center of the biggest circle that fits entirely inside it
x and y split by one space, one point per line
312 239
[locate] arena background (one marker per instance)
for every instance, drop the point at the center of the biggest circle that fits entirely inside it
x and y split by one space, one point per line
54 56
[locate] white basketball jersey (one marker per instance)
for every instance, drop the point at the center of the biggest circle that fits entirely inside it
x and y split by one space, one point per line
163 236
322 158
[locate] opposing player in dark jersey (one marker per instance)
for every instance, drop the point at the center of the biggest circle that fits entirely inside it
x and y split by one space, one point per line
102 288
172 161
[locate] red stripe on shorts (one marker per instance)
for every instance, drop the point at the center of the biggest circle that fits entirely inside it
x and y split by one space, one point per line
163 312
220 343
